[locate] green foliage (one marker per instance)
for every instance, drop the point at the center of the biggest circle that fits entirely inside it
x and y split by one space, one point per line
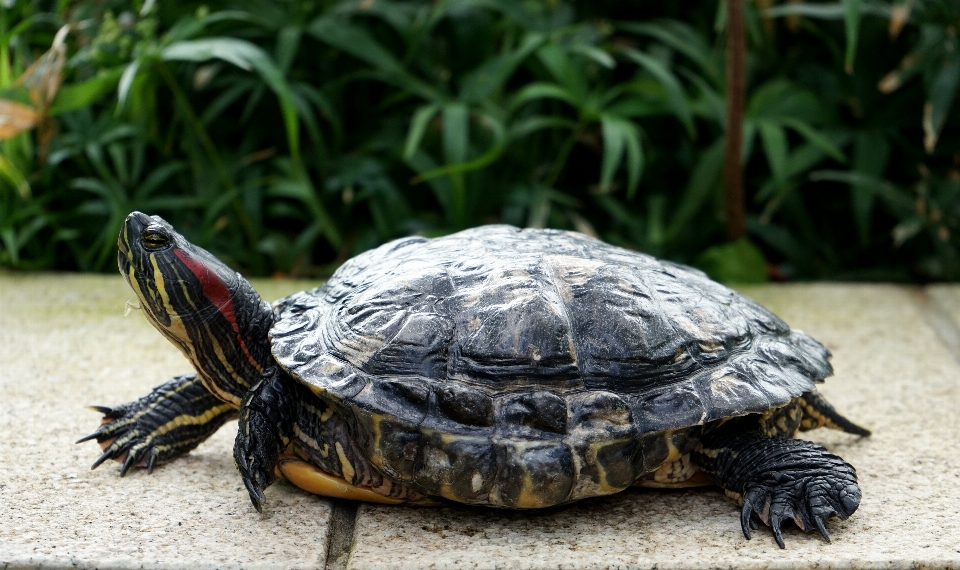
735 262
286 136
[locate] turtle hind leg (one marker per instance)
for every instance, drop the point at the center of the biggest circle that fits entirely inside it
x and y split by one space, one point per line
817 412
168 422
778 478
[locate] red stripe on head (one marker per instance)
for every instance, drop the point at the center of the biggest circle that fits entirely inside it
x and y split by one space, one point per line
215 290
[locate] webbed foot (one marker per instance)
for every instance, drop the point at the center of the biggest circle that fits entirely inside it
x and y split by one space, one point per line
166 423
779 479
809 499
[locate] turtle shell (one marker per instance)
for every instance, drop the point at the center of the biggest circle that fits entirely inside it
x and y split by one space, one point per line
527 368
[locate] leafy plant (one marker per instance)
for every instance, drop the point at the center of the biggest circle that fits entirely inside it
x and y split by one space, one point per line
287 136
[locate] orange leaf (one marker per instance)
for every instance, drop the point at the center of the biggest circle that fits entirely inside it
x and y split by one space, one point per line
44 76
16 118
899 14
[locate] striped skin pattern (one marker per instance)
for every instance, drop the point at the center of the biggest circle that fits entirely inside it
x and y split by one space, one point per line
206 327
817 412
321 437
169 421
220 324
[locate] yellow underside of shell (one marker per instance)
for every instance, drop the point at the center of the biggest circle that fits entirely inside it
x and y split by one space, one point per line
312 479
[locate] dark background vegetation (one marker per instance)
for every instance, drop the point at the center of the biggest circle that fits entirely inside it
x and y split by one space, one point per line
286 136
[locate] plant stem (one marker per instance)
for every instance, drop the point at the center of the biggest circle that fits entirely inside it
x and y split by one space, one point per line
458 200
5 74
564 153
736 88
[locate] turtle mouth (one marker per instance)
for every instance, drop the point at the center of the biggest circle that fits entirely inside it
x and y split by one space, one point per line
130 232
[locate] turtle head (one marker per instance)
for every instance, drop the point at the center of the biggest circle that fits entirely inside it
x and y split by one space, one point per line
211 313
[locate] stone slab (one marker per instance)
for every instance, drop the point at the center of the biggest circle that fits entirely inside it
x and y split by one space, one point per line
64 344
893 375
942 307
947 298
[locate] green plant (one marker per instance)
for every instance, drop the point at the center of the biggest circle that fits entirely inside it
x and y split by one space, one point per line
287 136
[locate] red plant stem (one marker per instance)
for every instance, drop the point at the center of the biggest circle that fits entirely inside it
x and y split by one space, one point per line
736 91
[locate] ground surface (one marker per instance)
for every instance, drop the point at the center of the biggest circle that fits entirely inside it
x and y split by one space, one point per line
64 344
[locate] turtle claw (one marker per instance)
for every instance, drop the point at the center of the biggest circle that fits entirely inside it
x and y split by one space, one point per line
777 534
110 427
820 527
256 495
253 479
778 505
87 438
124 436
265 421
752 503
106 455
746 519
128 462
152 462
778 478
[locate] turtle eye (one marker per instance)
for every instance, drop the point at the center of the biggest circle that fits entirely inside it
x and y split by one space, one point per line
154 240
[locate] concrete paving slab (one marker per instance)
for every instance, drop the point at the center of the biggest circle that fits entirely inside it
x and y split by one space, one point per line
893 375
947 298
64 344
941 305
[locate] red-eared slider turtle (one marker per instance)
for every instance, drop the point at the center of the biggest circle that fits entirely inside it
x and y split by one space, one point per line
496 366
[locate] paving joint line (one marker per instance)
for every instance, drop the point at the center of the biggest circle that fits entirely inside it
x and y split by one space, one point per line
938 318
343 519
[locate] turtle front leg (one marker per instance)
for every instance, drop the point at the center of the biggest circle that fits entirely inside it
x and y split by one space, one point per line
266 420
166 423
779 478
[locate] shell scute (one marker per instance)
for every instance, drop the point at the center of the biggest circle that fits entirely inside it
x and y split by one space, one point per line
600 411
605 441
528 413
681 405
727 393
625 339
618 461
406 399
461 468
532 474
465 405
394 447
511 325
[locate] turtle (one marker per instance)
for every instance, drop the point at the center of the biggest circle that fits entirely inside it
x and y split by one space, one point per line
498 366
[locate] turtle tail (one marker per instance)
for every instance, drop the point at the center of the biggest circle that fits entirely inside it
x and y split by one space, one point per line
817 412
